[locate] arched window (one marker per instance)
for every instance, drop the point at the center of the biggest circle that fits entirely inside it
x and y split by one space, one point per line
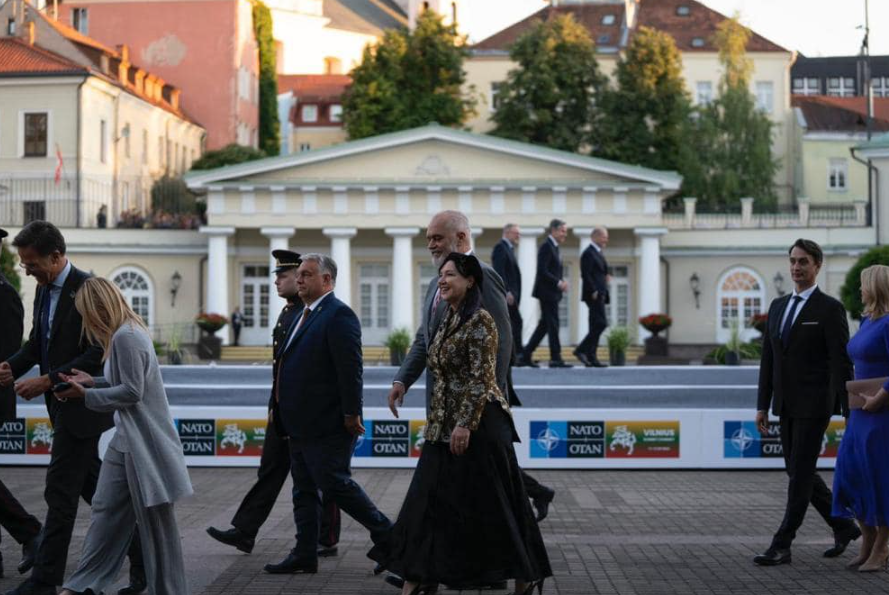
136 288
741 294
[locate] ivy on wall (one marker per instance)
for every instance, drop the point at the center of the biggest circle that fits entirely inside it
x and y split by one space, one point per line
269 127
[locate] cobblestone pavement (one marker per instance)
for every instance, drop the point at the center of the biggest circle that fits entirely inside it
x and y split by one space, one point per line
610 532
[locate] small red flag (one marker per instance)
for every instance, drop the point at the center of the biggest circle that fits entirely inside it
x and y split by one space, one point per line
59 163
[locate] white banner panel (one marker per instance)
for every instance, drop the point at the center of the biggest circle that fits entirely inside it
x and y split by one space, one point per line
551 438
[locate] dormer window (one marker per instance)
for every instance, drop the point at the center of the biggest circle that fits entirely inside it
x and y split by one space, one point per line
309 113
10 27
697 42
683 10
608 19
603 39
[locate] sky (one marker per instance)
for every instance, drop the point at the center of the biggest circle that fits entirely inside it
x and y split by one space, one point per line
812 27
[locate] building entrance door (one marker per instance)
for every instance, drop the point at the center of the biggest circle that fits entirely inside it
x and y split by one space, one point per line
255 287
373 295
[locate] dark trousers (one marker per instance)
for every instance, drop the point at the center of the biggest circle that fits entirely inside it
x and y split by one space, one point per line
325 464
274 467
236 330
15 519
598 322
73 473
801 441
549 326
515 322
533 487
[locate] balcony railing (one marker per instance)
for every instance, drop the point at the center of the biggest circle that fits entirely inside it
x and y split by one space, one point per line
804 214
127 203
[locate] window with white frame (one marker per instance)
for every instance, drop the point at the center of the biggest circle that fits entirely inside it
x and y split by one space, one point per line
80 20
703 92
841 86
495 96
136 288
880 86
309 113
336 113
837 175
374 283
103 141
765 96
806 86
741 295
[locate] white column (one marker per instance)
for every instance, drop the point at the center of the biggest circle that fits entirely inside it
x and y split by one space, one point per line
529 307
278 240
217 273
583 319
403 271
648 286
341 252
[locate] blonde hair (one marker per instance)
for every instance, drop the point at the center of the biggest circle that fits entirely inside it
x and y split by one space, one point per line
104 310
875 283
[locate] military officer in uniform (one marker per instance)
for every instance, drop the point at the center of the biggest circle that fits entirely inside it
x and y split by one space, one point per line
23 527
274 466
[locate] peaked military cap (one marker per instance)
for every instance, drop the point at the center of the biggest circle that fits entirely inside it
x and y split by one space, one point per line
285 259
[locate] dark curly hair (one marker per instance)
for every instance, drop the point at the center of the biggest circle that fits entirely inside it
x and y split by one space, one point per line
467 266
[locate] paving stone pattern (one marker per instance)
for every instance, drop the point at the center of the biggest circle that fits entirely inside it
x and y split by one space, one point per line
610 532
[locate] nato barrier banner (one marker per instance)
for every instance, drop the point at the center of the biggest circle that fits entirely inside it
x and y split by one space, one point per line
551 438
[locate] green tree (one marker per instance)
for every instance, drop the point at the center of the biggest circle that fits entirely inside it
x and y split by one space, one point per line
645 114
850 292
8 268
550 97
269 127
229 155
728 150
409 79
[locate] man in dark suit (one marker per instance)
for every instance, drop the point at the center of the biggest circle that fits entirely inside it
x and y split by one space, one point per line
548 288
56 345
803 376
319 403
23 527
504 261
274 465
594 293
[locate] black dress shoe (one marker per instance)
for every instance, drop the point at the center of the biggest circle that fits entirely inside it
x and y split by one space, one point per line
596 364
841 542
542 502
138 583
292 565
772 557
30 587
559 364
234 537
395 580
29 552
583 358
326 551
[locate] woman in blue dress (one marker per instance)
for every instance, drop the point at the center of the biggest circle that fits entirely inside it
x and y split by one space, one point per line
861 480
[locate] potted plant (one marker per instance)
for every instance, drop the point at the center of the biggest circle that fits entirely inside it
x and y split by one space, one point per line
618 341
398 342
174 346
209 345
733 345
654 324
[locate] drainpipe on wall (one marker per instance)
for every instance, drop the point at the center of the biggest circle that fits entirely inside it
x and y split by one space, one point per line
77 143
873 190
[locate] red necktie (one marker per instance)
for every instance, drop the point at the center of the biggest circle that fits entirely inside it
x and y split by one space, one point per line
435 302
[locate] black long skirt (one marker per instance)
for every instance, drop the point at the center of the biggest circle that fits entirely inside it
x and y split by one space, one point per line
466 520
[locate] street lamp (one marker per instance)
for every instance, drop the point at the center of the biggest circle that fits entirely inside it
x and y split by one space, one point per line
695 282
175 283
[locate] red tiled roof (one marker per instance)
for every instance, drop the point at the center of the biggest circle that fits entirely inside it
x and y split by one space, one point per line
824 113
314 87
19 58
700 22
78 37
588 15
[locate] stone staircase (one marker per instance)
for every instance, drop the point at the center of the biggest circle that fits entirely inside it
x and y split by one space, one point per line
377 355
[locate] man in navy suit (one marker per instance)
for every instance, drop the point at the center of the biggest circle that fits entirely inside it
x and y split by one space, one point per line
594 293
504 261
319 401
548 288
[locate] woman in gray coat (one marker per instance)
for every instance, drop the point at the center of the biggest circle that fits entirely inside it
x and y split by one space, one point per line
143 472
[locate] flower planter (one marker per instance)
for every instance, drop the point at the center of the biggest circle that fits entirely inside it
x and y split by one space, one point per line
396 358
732 358
209 347
656 345
617 358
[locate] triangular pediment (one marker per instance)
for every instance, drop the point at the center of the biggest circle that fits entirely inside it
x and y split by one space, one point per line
434 155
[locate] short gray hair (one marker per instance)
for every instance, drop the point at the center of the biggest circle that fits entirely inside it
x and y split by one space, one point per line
509 226
326 265
598 231
456 221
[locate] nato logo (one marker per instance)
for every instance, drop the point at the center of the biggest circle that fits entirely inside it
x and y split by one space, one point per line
742 440
567 439
548 439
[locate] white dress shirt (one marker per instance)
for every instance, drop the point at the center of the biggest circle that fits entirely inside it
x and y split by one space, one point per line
805 295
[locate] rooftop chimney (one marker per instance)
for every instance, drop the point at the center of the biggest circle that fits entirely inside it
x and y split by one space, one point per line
174 98
32 33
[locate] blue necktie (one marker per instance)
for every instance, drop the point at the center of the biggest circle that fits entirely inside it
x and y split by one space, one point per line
44 329
788 324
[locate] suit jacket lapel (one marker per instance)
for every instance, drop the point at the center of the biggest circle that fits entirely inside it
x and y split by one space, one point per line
804 307
65 303
313 315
